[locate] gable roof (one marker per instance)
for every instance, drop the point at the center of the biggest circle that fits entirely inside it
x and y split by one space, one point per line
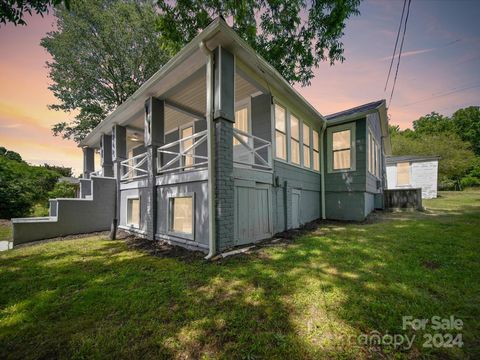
390 160
216 33
370 107
361 111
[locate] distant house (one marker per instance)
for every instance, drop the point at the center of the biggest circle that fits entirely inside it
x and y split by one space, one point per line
217 150
413 172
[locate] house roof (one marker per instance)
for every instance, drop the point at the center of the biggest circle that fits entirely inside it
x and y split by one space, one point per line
390 160
358 112
218 33
355 110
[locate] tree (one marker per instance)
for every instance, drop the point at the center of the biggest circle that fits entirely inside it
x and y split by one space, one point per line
13 10
294 36
102 52
64 171
432 124
466 123
9 154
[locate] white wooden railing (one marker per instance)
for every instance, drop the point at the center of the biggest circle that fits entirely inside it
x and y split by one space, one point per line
246 152
178 162
132 168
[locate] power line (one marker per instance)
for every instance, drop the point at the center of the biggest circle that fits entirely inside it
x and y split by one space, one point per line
396 43
449 92
400 52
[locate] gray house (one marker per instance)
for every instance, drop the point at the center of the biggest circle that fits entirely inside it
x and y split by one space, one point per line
217 150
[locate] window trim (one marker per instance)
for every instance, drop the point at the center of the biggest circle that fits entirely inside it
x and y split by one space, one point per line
309 146
315 151
353 163
170 214
375 152
292 139
133 197
286 133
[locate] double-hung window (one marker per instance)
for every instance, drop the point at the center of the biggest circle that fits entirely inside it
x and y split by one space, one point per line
280 132
316 156
373 155
187 132
342 147
295 140
133 212
306 146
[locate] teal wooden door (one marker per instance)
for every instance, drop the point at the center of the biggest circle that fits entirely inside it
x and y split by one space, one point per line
253 219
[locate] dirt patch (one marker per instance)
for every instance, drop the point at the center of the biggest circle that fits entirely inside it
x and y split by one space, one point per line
430 264
163 249
5 222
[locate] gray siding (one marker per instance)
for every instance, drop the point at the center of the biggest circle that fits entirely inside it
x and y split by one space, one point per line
351 180
261 107
291 177
169 138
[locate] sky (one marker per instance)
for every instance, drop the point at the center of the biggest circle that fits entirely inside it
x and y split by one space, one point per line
439 71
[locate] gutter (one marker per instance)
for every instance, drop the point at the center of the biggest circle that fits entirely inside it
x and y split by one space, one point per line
322 174
212 248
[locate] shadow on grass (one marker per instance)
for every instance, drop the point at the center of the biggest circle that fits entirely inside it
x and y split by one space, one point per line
92 298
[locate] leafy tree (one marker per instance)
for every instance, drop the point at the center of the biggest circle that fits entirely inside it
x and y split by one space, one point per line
456 156
23 185
432 124
9 154
102 52
13 11
466 123
294 36
64 171
63 189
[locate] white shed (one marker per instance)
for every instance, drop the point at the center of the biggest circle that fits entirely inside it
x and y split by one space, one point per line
413 172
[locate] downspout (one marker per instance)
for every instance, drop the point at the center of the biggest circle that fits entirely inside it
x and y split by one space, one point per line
324 167
212 250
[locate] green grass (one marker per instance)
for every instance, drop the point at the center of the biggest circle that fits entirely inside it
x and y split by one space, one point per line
94 298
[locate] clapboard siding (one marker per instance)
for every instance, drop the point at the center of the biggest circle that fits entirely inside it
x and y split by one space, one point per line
373 121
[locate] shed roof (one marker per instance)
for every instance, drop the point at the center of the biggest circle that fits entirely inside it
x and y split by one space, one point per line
355 110
410 158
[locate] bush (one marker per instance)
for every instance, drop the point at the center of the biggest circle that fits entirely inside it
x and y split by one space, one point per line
470 181
63 189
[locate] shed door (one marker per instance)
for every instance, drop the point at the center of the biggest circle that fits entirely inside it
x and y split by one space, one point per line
295 209
253 220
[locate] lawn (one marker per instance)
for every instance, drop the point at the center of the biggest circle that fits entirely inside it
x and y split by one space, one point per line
305 299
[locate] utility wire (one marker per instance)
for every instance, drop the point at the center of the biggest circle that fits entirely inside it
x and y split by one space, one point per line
400 52
453 91
396 43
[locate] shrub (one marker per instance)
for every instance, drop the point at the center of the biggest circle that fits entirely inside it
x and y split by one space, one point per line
63 189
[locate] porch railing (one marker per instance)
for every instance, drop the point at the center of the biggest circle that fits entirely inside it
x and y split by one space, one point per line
252 150
179 160
134 167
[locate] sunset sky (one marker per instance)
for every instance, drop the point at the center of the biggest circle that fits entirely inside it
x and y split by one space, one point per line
439 71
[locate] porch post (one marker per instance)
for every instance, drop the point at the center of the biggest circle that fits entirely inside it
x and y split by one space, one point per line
119 153
88 162
154 138
106 155
224 117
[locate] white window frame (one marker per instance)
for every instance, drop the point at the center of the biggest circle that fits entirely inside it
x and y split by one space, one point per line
170 216
330 130
133 197
305 145
286 133
292 140
315 151
373 155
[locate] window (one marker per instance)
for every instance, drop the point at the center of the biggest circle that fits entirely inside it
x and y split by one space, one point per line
133 212
341 150
316 156
280 132
403 173
181 214
295 140
306 145
241 123
373 156
186 144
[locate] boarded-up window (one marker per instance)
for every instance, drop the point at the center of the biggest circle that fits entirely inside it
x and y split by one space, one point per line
241 123
133 212
186 145
295 139
280 132
316 148
403 173
306 146
181 212
341 147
